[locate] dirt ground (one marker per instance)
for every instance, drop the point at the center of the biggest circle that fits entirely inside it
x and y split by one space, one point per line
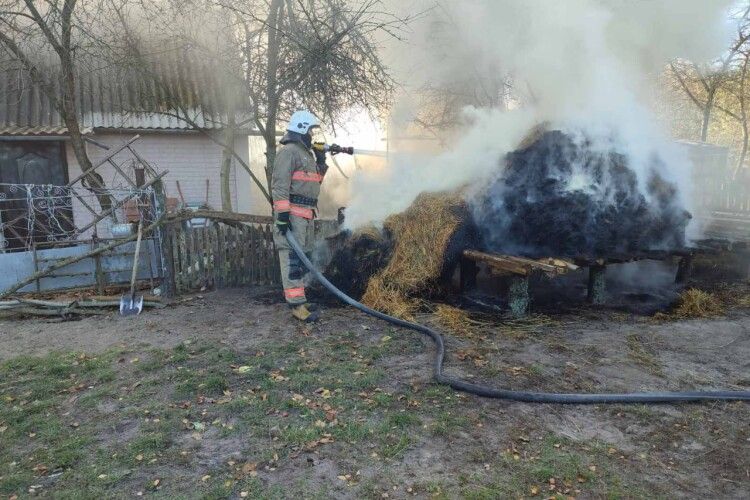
222 396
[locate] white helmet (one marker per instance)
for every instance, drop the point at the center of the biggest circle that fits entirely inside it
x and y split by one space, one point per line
302 121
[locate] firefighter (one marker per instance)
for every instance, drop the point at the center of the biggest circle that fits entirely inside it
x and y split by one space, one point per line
297 174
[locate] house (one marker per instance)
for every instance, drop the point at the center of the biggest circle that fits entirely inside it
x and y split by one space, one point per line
162 104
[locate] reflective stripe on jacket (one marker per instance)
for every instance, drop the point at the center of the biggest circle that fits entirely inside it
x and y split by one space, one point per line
295 173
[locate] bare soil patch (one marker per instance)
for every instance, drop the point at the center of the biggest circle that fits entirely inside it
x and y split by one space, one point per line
224 394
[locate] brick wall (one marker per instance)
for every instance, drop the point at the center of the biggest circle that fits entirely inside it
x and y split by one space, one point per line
189 158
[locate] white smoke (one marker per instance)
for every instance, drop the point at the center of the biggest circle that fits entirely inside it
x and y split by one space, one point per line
577 64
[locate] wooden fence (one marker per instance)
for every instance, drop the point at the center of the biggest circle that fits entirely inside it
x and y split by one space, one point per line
723 204
220 255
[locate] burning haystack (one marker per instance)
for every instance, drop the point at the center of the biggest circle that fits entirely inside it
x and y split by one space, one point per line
558 196
415 249
561 195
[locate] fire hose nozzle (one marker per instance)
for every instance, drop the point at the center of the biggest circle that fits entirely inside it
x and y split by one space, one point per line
333 148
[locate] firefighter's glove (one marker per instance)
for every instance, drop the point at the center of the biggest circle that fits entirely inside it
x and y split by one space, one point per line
283 224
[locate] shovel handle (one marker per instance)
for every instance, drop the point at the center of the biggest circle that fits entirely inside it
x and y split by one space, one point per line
135 259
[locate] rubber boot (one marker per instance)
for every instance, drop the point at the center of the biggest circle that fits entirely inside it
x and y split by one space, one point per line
303 313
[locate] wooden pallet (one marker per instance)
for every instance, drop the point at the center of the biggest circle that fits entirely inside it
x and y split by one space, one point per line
518 269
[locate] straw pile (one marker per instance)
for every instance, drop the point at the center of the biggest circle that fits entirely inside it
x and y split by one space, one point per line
694 303
415 249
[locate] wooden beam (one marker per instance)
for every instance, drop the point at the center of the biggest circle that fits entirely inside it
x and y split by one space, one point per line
104 160
220 216
520 265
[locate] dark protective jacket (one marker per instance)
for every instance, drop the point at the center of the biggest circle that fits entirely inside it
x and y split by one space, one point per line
296 179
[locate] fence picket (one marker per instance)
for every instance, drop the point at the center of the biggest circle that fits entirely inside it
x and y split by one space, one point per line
254 255
223 255
185 257
247 266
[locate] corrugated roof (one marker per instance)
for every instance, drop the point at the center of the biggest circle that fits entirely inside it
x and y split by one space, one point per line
37 131
119 96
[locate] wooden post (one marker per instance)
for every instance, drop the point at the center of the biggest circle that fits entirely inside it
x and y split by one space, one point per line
168 284
597 286
221 254
518 296
684 269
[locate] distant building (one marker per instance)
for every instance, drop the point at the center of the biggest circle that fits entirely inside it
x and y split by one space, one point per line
115 104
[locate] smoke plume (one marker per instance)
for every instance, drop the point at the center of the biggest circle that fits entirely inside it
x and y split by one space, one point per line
580 66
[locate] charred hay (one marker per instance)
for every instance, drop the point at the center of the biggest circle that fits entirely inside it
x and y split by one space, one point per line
564 196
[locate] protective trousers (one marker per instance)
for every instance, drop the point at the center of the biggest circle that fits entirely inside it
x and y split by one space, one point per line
292 269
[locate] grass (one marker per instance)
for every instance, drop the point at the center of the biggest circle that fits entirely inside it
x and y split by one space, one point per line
639 352
185 422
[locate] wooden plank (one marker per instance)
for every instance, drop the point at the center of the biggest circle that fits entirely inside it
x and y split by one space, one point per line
267 255
246 266
180 246
224 242
214 255
254 255
202 267
523 266
220 255
272 259
112 153
203 258
498 262
169 284
207 256
217 215
190 253
232 256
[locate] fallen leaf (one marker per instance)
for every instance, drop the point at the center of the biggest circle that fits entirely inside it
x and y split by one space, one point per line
243 494
3 428
198 426
385 338
206 478
139 457
243 369
249 467
534 490
102 476
156 482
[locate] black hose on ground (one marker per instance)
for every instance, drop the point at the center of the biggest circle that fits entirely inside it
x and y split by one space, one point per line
524 396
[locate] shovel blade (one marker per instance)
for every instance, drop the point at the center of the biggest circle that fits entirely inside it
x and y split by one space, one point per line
131 305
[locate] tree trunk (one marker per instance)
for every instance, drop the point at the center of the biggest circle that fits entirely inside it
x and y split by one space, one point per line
226 164
745 146
707 110
272 97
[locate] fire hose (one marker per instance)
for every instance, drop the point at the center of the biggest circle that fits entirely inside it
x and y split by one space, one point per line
523 396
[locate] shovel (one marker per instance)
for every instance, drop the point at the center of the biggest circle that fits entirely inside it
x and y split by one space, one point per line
130 305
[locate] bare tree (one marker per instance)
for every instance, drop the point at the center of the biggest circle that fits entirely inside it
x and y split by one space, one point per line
703 83
29 31
318 54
